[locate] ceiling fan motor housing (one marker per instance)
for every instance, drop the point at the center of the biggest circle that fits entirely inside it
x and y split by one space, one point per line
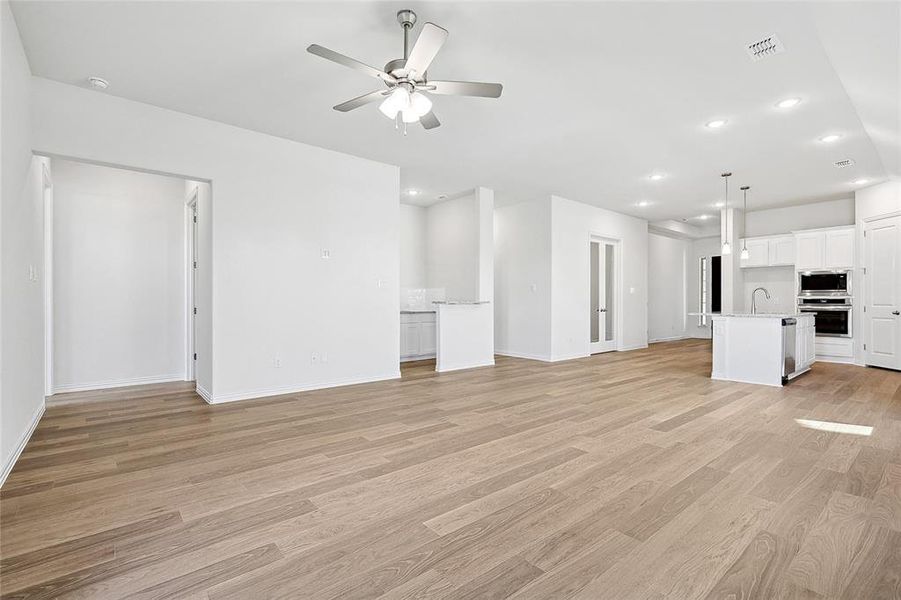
406 17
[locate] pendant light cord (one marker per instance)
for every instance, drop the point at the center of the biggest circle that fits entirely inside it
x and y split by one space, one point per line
727 249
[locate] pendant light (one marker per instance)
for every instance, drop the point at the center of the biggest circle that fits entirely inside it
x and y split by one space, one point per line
727 248
744 242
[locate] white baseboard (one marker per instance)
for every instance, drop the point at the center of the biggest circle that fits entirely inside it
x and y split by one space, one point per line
635 347
468 366
114 383
203 393
542 358
20 445
292 389
842 360
668 339
568 357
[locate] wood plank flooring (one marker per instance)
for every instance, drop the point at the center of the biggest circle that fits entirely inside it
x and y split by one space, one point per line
625 476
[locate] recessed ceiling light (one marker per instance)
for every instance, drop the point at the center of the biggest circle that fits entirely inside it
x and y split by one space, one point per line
98 83
788 103
704 217
716 123
720 204
832 137
412 192
643 203
656 176
860 181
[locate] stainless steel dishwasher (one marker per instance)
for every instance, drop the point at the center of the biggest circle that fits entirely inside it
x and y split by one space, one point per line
789 352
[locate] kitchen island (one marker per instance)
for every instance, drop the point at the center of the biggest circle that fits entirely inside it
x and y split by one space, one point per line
465 335
767 349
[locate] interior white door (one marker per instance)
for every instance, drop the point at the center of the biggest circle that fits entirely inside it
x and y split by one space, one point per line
603 282
883 293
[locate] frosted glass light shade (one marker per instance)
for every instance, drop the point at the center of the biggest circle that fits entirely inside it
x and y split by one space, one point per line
727 249
397 101
420 104
745 255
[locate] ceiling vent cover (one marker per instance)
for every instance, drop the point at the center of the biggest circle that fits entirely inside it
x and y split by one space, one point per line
763 48
841 164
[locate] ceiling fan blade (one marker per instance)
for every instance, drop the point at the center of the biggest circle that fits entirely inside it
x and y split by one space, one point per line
360 101
466 88
349 62
427 45
429 120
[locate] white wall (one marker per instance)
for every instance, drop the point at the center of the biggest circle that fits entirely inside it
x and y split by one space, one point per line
412 246
203 287
277 204
572 225
118 277
21 254
667 287
773 221
522 279
703 247
452 247
778 281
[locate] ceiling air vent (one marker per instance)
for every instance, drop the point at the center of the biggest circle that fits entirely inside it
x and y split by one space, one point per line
763 48
841 164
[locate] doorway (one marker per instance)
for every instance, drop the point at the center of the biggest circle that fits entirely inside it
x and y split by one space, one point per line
123 251
604 294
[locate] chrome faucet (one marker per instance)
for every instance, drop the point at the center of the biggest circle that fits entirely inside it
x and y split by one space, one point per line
754 298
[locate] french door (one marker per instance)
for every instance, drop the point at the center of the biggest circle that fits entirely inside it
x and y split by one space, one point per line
603 282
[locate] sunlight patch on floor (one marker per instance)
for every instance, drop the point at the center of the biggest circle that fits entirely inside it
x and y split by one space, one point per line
836 427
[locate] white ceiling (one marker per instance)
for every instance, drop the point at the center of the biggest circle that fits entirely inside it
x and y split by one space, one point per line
596 95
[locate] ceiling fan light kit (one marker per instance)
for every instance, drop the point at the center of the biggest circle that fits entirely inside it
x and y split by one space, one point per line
406 78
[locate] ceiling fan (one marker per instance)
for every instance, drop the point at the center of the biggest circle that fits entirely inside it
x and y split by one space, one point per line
406 78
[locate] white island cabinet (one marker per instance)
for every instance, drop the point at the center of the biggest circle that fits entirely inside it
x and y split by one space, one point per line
767 349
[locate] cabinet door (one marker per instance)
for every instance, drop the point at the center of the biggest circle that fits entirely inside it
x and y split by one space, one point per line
427 338
757 253
782 251
839 249
800 346
811 250
409 339
811 343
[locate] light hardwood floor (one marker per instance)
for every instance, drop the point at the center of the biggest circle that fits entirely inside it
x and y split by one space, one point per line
622 476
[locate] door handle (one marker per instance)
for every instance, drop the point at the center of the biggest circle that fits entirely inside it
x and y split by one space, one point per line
602 310
895 312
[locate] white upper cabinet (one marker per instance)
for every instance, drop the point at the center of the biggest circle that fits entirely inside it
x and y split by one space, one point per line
782 251
811 250
840 248
770 251
758 253
825 249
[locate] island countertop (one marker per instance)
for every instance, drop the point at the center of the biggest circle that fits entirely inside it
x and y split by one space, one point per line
749 315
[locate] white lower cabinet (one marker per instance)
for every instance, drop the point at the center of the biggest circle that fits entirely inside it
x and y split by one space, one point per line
418 336
805 343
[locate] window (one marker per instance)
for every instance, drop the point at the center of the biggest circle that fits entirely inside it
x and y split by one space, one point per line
702 291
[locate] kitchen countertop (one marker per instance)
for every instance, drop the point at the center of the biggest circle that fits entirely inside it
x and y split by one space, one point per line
416 311
461 302
754 316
